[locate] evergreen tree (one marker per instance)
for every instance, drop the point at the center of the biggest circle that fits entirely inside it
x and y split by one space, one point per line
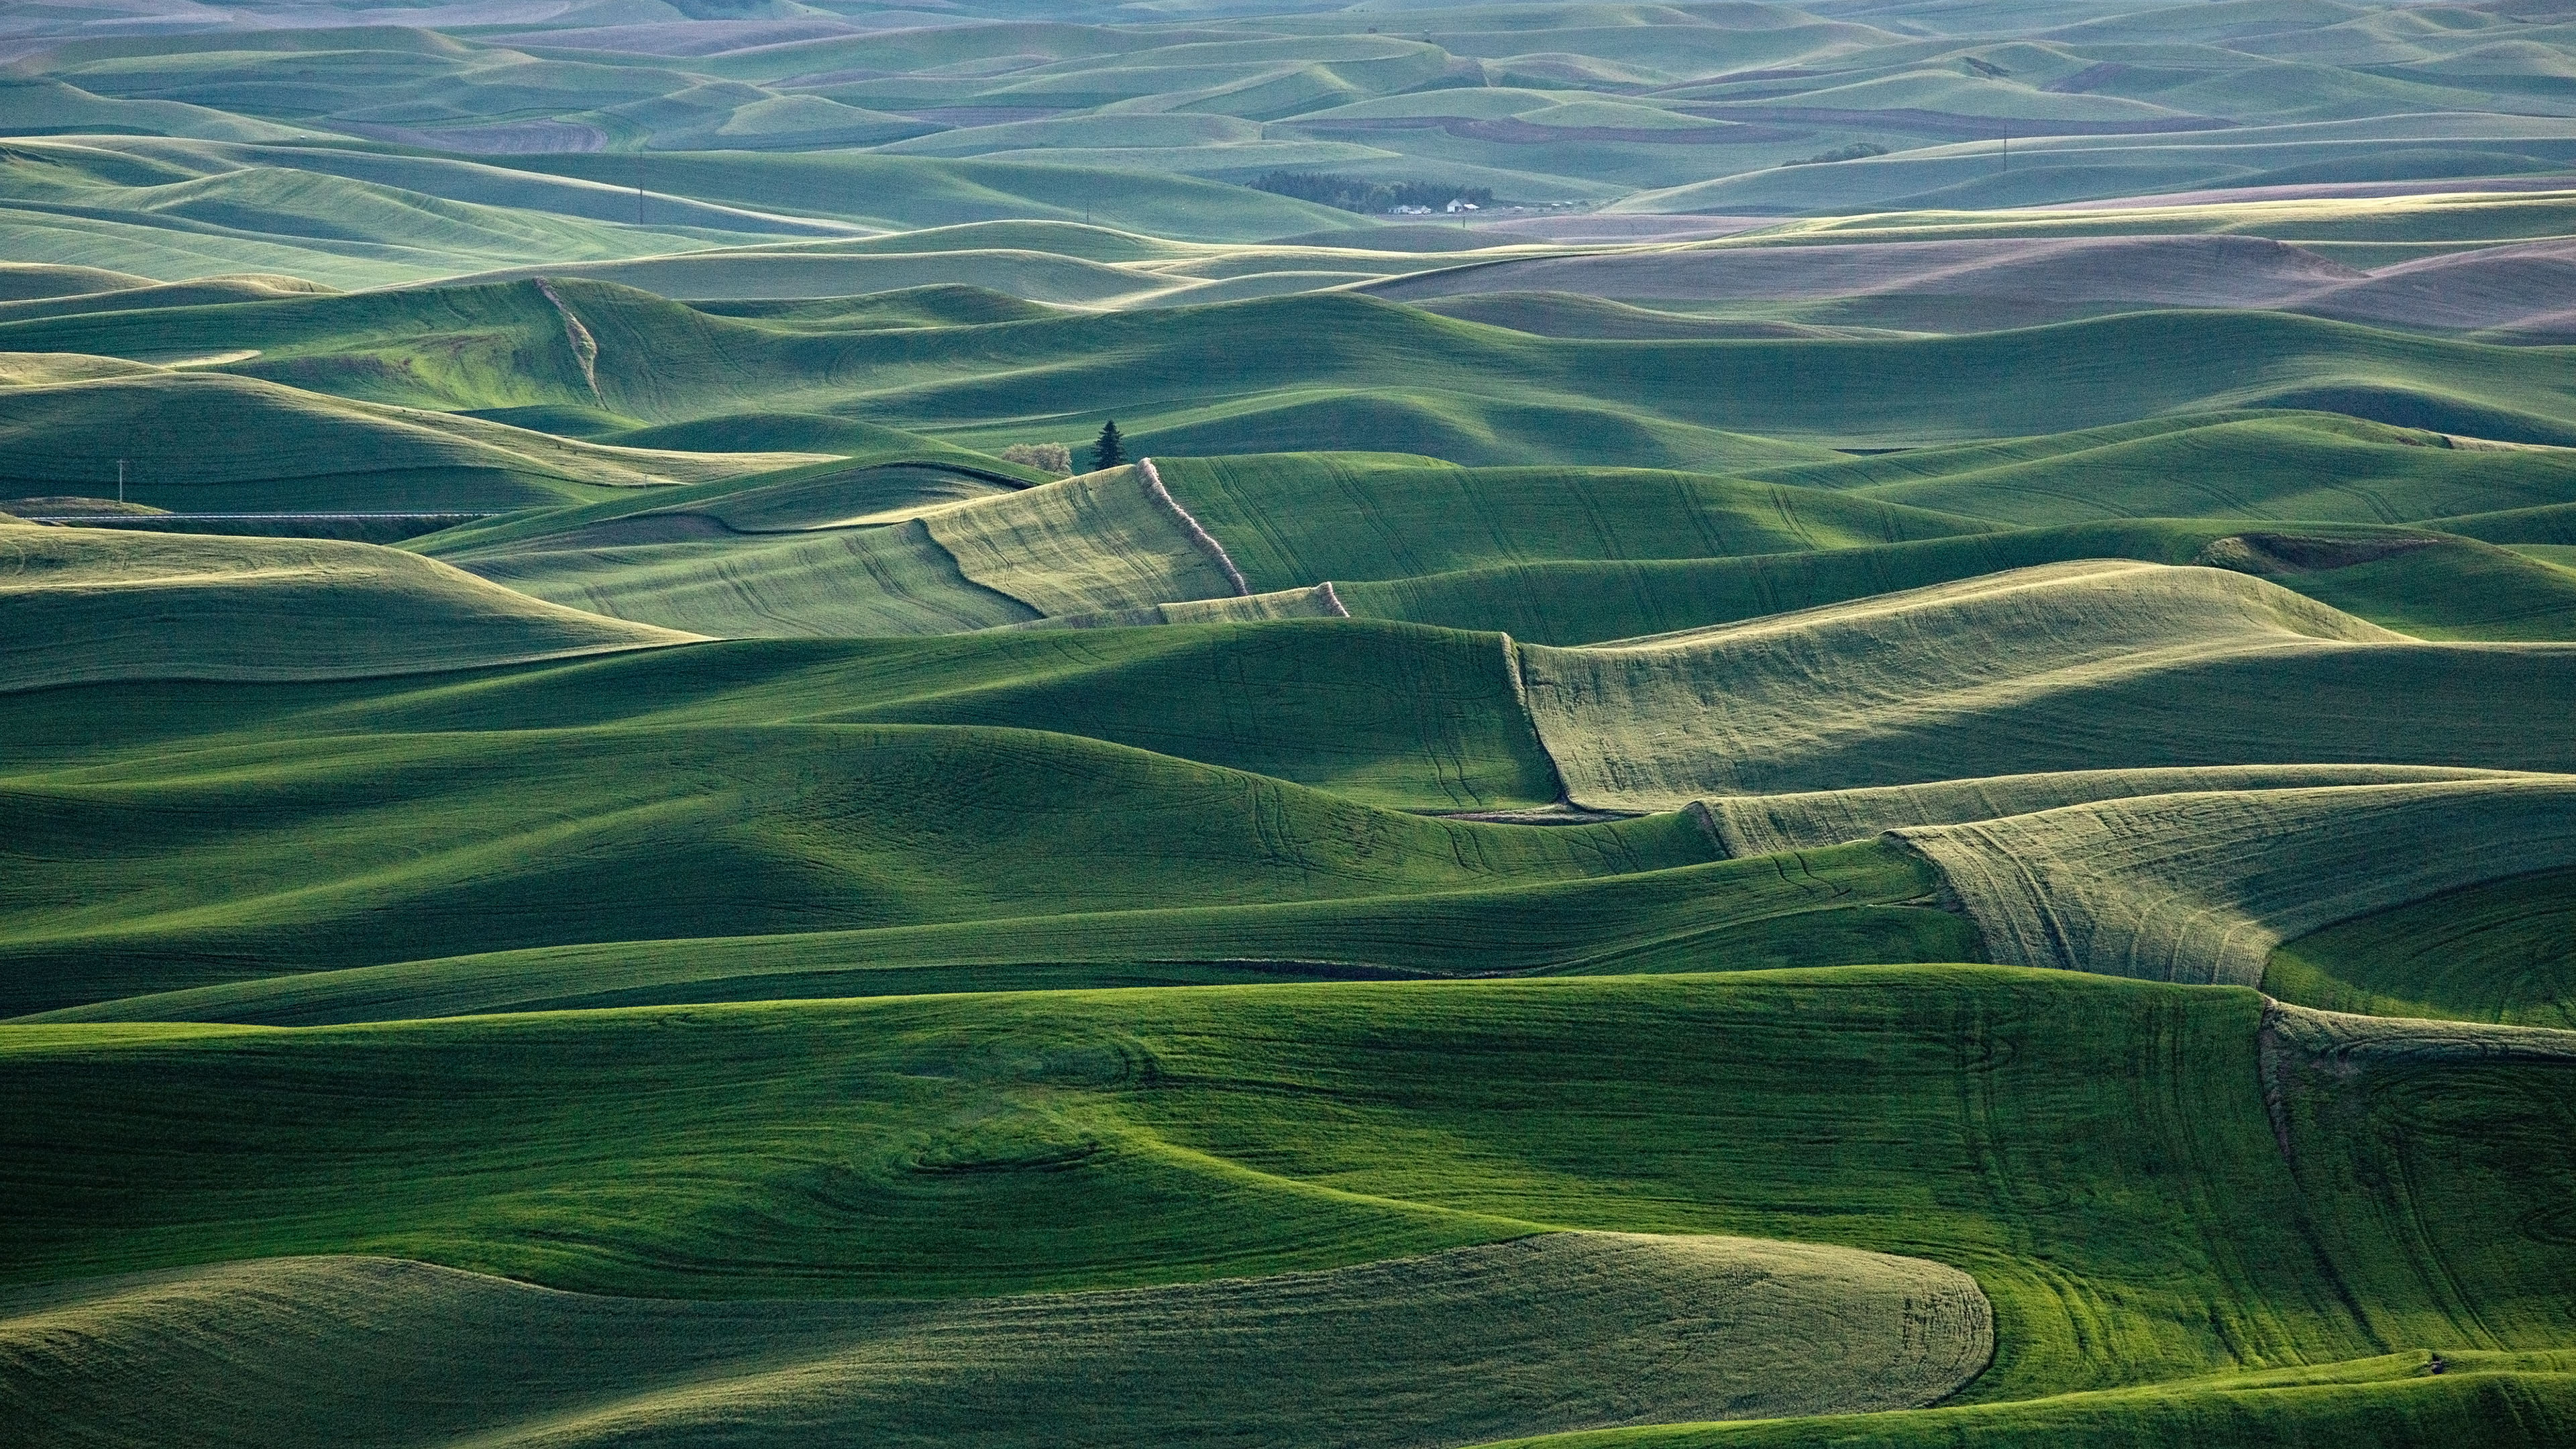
1111 449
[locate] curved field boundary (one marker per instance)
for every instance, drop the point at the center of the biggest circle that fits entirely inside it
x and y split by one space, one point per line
891 580
1786 702
1083 545
2201 887
1518 675
1550 1333
2341 1038
1205 540
1319 602
1750 825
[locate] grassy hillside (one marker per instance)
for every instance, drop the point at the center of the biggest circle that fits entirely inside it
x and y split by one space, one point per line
2402 1399
1645 808
1183 372
1564 555
900 193
1308 701
1085 1115
199 441
1862 902
965 114
710 830
893 549
83 605
2004 674
880 472
179 211
1301 518
2302 466
1757 825
1977 275
1450 1345
894 579
2171 887
2497 951
2430 586
127 294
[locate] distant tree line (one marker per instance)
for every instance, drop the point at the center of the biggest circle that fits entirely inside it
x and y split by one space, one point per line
1107 451
1853 152
1353 193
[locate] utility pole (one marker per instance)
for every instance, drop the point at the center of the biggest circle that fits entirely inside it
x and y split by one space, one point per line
639 188
120 480
2007 147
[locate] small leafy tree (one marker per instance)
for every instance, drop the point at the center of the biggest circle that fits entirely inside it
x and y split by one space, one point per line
1110 449
1053 458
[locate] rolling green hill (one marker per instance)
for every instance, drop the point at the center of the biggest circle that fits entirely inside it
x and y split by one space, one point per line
1065 1120
2169 886
713 830
1783 724
957 116
1301 519
1862 902
1449 1345
2397 1399
1183 370
2490 952
2431 586
83 605
1565 555
194 440
1758 825
139 295
2068 666
876 471
177 212
2308 466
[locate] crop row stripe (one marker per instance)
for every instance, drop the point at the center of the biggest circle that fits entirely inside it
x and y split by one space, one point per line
585 348
1206 541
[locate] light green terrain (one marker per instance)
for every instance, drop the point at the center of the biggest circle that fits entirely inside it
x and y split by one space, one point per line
2174 887
1449 1345
1775 725
197 441
2108 663
160 606
972 1145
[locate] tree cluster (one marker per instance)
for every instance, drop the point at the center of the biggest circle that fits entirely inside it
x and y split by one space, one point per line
1353 193
1053 458
1853 152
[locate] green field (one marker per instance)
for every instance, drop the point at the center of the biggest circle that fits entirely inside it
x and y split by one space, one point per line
1768 725
2491 952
